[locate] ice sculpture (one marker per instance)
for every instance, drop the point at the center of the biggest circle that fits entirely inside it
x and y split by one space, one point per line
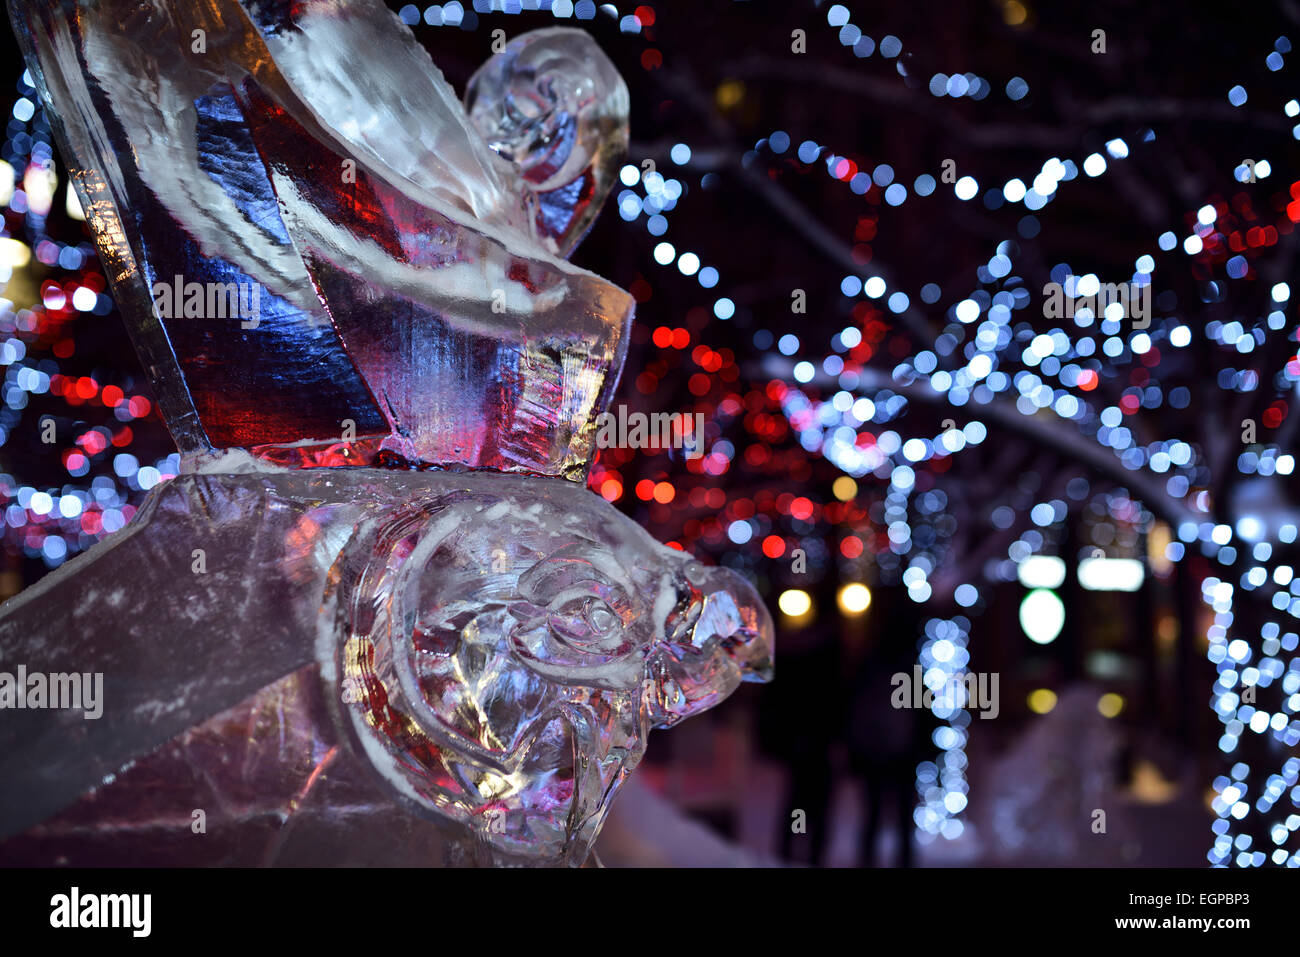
310 160
495 647
348 618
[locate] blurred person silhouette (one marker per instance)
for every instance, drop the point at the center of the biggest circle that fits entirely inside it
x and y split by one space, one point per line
799 721
881 739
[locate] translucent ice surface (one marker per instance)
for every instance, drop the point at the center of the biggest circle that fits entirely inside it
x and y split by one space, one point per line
319 256
486 652
325 260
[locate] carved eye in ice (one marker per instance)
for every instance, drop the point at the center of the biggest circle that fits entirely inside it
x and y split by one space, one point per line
553 104
575 618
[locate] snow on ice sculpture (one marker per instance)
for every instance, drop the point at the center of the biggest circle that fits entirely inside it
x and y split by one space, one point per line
379 594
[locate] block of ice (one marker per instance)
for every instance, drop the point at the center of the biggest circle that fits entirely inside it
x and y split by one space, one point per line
486 652
319 256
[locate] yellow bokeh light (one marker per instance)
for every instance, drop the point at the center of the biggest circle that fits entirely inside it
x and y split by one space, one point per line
844 488
794 602
854 598
1110 705
6 183
40 182
1158 541
1042 700
14 253
729 93
1166 632
1014 13
1150 786
72 205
